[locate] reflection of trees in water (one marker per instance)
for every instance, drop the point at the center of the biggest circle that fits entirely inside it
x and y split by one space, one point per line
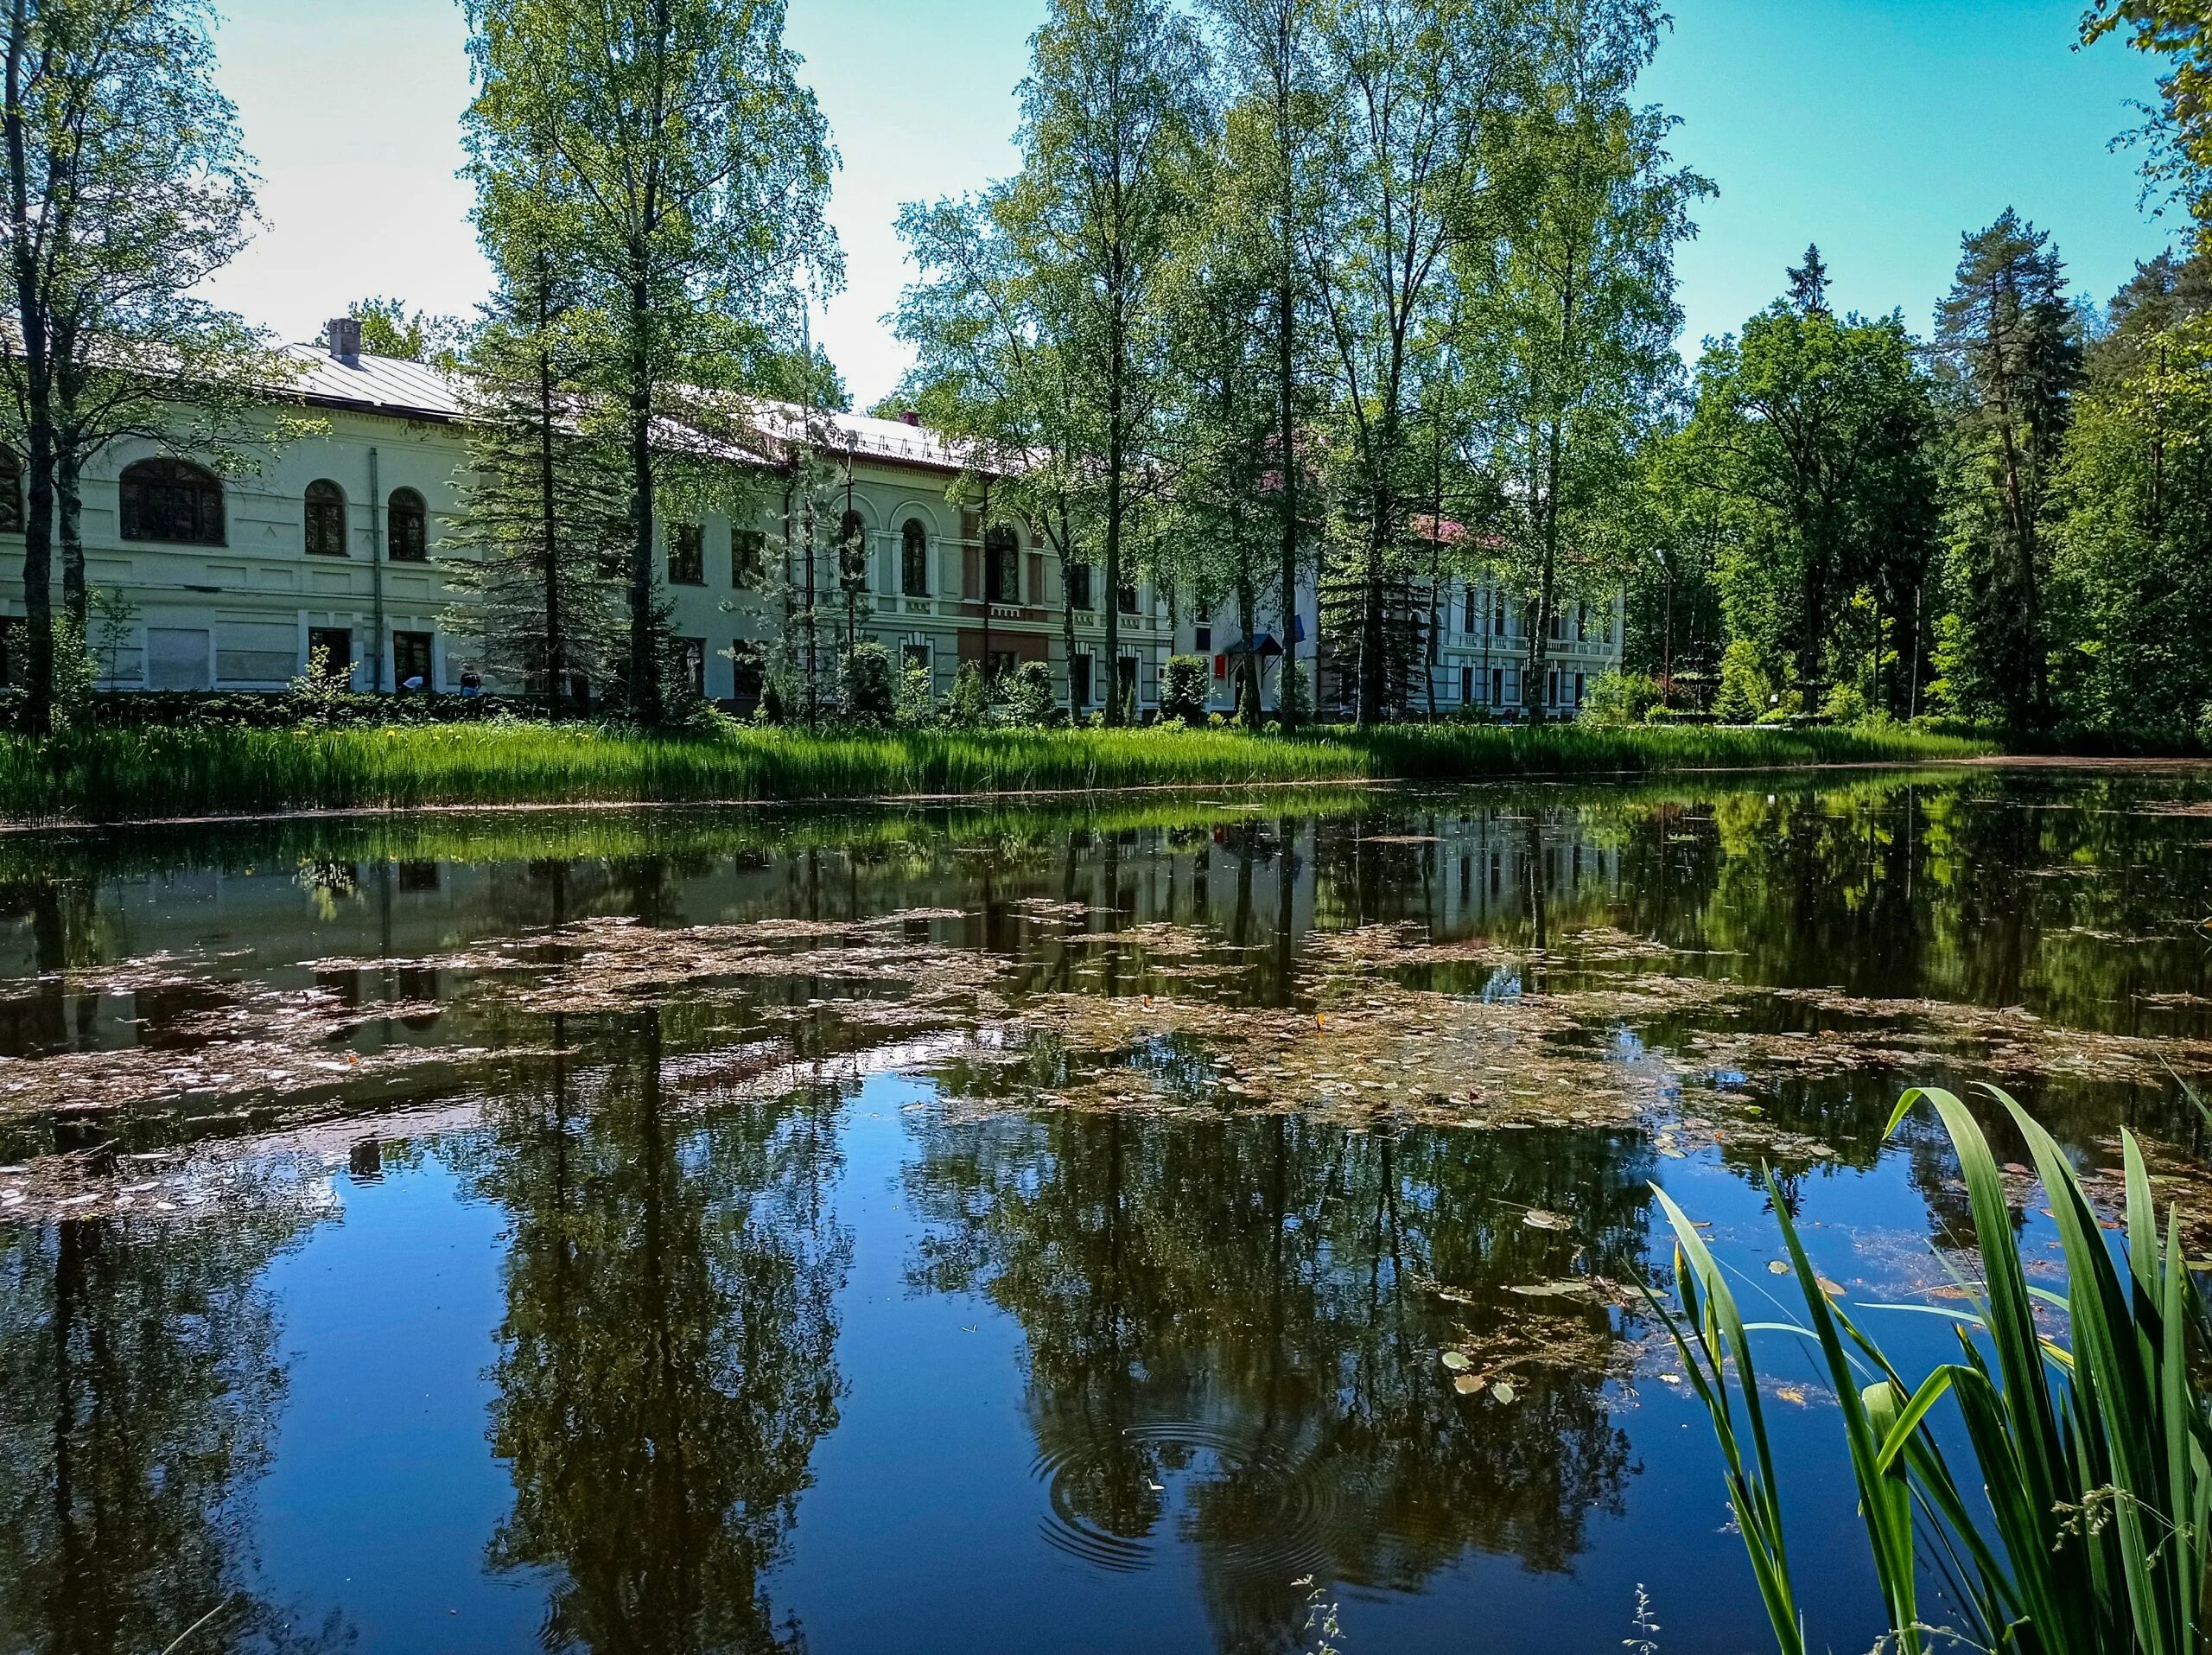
139 1388
1253 1302
667 1360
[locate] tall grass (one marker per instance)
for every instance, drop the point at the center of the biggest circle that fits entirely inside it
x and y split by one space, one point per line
110 775
2080 1525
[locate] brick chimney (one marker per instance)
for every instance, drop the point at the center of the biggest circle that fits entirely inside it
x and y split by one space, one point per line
344 335
908 417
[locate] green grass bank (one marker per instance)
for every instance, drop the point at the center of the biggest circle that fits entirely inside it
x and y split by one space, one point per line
121 775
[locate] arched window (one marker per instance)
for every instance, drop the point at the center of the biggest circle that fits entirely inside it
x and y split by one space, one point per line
11 492
852 552
914 559
406 527
172 501
326 518
1001 566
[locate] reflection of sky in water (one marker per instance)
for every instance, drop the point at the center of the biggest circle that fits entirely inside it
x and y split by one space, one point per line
618 1370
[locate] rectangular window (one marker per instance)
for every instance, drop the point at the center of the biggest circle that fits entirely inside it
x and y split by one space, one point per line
411 660
687 554
748 557
1497 617
1000 665
916 657
1079 586
336 646
1127 599
691 658
1467 685
1002 571
1201 640
1578 679
1079 679
1497 686
1125 678
914 560
256 652
1471 617
747 676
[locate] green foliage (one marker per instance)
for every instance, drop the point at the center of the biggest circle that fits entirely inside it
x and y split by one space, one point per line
870 690
2007 338
2080 1522
388 328
1844 704
1744 689
1620 699
110 775
973 697
1811 446
1185 682
1031 698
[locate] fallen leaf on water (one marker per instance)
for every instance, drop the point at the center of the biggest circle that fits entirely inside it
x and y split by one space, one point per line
1778 1267
1536 1219
1466 1384
1504 1390
1791 1393
1455 1360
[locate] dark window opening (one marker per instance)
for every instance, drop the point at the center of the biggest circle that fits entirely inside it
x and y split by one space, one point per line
852 552
1127 597
11 492
406 527
748 551
1471 620
1079 586
411 660
750 679
1079 680
914 560
326 518
336 646
916 657
172 501
687 554
692 656
1202 640
1001 566
1125 677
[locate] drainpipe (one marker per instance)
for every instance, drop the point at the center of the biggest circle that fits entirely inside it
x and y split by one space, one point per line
375 570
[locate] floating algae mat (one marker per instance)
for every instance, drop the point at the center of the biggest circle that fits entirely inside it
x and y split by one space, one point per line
685 1230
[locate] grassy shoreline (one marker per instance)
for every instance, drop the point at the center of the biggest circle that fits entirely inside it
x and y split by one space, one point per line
127 775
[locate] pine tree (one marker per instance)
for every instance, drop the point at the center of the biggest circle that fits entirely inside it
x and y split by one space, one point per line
1809 282
2009 340
545 509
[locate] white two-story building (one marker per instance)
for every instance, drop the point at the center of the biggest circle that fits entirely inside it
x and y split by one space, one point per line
339 542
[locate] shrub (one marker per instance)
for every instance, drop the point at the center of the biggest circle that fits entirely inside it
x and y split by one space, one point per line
1620 699
1183 683
868 683
970 705
1744 686
1844 704
1030 700
917 697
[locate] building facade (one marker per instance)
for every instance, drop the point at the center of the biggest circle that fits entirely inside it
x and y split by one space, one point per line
339 542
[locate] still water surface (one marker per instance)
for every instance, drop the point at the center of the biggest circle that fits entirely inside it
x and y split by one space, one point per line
672 1231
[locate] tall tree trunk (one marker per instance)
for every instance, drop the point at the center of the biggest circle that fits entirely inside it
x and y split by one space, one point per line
556 665
644 667
37 383
1248 669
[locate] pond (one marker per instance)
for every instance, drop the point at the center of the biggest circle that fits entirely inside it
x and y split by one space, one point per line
690 1231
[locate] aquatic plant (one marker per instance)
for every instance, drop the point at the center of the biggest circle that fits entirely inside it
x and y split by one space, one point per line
2079 1526
112 774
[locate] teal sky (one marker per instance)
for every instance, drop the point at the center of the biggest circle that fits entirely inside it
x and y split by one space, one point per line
1882 129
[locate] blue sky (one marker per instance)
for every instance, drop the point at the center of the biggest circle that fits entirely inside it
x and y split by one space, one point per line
1882 129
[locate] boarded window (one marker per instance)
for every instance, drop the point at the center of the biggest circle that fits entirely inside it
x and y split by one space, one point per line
326 520
256 652
176 658
172 501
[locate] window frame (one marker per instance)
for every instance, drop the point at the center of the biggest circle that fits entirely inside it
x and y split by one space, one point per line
406 504
322 518
180 484
686 551
913 558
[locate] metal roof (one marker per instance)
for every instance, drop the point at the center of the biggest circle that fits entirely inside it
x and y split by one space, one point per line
387 384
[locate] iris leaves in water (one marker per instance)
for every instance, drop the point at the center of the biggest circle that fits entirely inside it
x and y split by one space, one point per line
2092 1452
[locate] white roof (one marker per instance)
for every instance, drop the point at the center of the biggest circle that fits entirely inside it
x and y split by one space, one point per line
388 385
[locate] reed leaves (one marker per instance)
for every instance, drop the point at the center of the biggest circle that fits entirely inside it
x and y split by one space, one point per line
2076 1523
